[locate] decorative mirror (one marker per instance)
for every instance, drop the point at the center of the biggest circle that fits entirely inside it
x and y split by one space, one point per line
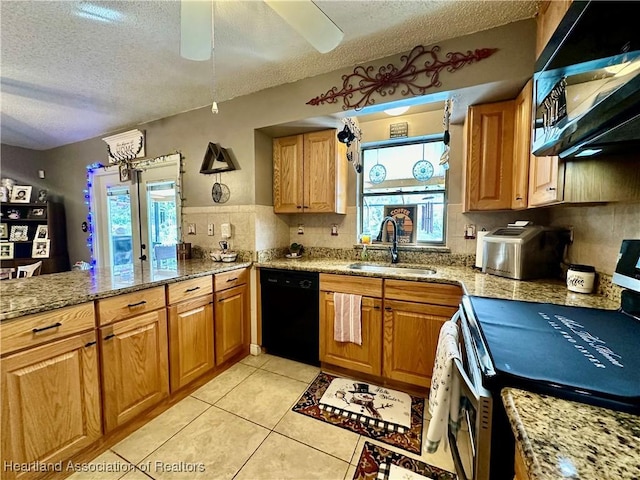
216 160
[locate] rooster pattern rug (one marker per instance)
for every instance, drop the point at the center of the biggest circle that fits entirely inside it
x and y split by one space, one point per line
383 414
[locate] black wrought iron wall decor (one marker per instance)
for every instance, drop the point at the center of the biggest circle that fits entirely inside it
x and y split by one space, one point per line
359 86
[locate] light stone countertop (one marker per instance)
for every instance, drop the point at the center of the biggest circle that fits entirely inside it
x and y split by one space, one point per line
472 281
23 296
564 439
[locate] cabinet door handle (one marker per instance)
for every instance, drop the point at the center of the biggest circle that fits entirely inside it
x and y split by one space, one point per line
191 289
377 307
111 335
550 189
306 206
388 309
518 198
298 206
232 279
90 344
55 325
131 305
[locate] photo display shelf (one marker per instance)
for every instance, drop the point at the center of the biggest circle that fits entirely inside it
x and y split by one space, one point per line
23 224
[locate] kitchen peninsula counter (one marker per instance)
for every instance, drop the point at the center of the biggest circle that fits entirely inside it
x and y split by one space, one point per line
563 439
473 281
25 296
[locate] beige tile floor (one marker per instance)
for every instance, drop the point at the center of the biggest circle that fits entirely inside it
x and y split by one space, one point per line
240 426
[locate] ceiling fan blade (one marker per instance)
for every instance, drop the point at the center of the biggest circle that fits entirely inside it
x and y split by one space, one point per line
196 29
310 22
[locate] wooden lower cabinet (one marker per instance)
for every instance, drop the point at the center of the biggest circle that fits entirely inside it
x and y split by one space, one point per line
134 366
410 339
50 401
190 340
366 358
231 322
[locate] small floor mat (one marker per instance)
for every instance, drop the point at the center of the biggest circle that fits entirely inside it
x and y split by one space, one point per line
410 438
382 464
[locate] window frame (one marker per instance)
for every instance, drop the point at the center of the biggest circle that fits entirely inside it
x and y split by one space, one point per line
396 142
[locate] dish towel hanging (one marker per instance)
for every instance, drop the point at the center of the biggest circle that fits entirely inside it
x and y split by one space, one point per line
347 326
444 397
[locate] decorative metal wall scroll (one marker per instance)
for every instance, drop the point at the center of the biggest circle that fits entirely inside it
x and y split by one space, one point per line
359 86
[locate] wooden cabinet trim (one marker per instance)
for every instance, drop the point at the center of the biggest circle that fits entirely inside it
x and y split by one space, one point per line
40 328
187 289
128 305
366 286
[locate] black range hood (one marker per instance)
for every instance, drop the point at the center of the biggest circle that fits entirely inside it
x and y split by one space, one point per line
587 83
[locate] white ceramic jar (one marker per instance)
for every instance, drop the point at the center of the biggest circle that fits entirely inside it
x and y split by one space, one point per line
580 278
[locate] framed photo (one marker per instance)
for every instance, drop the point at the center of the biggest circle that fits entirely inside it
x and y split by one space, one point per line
4 194
37 212
40 249
42 233
6 251
125 172
405 217
42 196
19 233
21 194
4 230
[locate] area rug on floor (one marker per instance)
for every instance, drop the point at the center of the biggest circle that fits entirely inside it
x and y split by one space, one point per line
410 438
382 464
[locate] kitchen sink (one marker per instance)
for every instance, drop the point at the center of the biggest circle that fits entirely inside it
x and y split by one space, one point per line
364 267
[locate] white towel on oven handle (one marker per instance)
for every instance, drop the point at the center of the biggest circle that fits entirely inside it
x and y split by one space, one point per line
444 397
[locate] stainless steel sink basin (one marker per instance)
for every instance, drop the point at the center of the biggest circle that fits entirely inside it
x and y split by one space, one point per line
364 267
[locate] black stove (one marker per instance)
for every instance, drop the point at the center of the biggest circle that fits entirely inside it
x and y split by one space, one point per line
582 354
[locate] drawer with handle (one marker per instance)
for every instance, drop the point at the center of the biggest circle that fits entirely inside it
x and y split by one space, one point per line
188 289
230 279
31 330
130 304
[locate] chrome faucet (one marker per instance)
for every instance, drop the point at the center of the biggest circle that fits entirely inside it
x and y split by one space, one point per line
394 245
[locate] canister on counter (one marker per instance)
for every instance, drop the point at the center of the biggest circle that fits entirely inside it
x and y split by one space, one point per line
580 278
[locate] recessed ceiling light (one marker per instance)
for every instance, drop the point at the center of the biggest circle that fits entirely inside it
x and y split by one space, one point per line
396 111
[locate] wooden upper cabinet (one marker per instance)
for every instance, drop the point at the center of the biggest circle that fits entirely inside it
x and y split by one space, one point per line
550 14
309 173
489 156
546 181
50 401
522 147
288 174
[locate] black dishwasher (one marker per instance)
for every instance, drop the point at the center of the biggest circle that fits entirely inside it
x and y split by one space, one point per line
290 314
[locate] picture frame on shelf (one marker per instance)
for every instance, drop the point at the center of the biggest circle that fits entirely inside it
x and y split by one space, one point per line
4 231
42 233
40 249
406 220
13 214
6 251
19 233
21 194
4 194
42 196
37 213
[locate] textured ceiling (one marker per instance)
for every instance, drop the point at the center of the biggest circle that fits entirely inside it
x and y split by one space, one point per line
76 70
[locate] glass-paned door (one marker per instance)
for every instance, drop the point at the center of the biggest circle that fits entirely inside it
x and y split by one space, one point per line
137 221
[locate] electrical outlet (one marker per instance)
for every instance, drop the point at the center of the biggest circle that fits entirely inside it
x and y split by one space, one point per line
210 229
300 229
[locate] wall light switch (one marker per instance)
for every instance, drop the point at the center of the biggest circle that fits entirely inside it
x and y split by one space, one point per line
210 229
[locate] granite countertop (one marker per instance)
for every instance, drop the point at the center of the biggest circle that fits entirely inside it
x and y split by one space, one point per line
563 439
472 281
24 296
